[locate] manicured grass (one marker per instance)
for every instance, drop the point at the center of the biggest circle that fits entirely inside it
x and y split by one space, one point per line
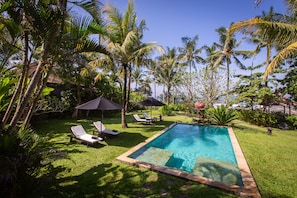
94 172
272 158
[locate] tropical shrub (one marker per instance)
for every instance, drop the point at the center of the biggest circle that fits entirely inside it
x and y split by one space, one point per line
291 121
176 107
220 115
189 107
259 117
165 110
21 155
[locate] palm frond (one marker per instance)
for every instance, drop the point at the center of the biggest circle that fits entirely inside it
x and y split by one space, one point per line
90 46
289 51
93 7
281 32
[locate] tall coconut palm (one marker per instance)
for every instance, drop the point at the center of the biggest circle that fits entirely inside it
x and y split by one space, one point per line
145 87
258 38
169 70
137 76
227 51
124 43
282 33
153 72
190 54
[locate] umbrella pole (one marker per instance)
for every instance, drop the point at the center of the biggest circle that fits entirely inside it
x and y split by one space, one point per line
151 112
101 124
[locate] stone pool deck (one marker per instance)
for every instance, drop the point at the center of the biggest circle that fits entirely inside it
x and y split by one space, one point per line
249 188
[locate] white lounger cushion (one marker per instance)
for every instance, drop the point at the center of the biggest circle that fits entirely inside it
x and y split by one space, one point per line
101 128
138 119
90 138
80 134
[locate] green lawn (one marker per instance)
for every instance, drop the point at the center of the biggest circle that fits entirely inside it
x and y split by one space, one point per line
94 172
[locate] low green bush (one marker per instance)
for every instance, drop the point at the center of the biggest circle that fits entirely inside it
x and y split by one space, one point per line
259 118
291 121
165 110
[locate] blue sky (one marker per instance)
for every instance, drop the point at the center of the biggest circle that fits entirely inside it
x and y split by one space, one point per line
170 20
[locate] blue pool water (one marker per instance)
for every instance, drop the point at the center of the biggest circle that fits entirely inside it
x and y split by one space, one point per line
192 146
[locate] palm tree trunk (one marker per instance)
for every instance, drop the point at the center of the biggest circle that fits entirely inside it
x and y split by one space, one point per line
32 106
168 94
191 87
78 96
22 78
227 84
128 88
124 97
155 94
34 82
268 54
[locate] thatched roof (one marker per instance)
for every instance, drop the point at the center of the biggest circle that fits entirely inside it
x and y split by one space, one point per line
51 79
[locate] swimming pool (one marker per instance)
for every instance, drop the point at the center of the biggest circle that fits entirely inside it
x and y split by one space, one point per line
199 153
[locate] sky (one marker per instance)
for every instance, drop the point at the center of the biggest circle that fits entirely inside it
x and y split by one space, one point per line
170 20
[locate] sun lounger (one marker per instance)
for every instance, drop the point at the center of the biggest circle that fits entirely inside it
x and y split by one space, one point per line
138 119
101 129
79 133
149 118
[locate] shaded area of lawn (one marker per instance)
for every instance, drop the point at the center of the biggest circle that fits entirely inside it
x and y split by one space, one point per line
118 180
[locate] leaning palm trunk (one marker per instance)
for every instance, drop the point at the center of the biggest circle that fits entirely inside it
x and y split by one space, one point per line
28 94
35 98
22 78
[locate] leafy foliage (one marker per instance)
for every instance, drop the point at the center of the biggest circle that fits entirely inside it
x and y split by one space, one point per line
290 82
259 118
291 121
166 110
5 85
221 115
21 156
17 154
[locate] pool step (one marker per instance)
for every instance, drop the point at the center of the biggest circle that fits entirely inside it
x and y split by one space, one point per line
155 156
217 170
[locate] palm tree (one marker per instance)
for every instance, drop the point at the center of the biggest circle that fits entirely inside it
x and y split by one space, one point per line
145 87
45 24
264 42
48 32
190 54
137 76
227 45
169 70
283 33
125 44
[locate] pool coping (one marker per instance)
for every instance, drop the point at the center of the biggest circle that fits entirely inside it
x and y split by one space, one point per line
249 189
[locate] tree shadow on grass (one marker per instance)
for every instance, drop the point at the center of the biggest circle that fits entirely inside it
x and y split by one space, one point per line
119 180
125 139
